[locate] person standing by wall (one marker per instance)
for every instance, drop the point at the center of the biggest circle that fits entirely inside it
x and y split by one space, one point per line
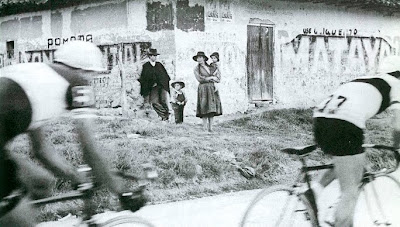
208 101
178 100
215 65
154 85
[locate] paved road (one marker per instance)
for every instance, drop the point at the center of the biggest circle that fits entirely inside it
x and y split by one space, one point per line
227 209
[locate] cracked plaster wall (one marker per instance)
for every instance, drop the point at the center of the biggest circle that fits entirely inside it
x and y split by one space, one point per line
316 47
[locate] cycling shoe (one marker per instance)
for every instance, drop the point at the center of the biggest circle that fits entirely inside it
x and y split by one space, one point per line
132 201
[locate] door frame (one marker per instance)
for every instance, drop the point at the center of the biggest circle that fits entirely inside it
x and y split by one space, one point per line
262 23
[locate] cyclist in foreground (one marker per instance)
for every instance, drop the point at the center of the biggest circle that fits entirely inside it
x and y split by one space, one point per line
339 122
30 95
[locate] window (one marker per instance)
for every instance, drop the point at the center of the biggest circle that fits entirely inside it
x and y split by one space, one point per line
10 49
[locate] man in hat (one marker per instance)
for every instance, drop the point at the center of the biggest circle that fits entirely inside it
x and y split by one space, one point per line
154 85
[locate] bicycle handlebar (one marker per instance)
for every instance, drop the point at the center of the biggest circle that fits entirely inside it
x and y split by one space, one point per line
379 146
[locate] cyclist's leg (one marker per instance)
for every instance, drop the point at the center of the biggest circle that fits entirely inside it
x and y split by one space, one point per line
93 157
327 177
37 180
101 169
23 215
57 164
349 170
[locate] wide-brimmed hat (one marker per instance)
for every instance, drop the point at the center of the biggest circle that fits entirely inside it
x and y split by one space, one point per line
153 52
200 54
215 54
178 82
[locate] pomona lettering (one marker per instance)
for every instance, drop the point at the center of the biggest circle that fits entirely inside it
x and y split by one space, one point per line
59 41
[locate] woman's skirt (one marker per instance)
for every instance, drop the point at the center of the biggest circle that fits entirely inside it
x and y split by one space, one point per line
208 101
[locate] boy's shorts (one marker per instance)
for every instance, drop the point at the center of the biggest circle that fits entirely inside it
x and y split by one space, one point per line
338 137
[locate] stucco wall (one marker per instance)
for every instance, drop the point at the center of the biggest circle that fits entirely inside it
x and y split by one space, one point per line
319 46
119 28
316 46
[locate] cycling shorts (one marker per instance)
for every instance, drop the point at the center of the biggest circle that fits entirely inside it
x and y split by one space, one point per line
338 137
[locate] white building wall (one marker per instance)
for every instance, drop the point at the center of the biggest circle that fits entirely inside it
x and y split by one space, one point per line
308 62
322 63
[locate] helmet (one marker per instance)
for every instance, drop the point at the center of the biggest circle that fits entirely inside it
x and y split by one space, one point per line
389 64
80 55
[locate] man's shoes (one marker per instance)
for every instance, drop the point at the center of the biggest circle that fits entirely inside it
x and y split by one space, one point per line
132 201
309 196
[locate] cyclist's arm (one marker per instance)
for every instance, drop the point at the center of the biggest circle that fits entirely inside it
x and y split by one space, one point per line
50 159
92 156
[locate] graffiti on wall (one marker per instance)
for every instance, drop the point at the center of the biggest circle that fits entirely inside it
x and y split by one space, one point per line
231 55
107 85
335 54
312 62
53 42
330 32
189 18
224 43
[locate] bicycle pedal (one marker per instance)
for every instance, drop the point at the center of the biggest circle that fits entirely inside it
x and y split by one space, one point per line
384 223
85 187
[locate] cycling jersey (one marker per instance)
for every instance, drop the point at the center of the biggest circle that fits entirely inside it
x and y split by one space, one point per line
49 94
361 99
45 89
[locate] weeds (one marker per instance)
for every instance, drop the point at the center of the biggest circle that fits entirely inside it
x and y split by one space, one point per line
192 163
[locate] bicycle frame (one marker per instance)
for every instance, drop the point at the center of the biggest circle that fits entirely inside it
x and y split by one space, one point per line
88 194
367 176
294 205
305 169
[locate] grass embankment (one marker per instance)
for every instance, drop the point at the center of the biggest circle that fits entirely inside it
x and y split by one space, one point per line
193 163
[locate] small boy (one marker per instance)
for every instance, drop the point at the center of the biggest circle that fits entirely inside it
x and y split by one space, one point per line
178 100
215 64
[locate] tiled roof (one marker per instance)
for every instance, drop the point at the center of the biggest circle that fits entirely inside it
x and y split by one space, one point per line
388 6
10 7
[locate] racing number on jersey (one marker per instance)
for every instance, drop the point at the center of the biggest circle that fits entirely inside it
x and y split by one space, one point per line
332 104
82 96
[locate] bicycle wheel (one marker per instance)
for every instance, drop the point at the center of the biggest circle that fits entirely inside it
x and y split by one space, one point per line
378 203
279 206
124 220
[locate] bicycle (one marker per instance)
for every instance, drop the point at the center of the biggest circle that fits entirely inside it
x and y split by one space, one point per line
86 193
285 206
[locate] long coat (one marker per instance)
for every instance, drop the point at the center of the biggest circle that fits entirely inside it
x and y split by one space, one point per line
151 75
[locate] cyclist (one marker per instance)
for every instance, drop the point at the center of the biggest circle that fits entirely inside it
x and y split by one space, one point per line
339 122
31 94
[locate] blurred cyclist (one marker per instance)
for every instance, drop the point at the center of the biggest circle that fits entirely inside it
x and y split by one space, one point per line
30 95
339 122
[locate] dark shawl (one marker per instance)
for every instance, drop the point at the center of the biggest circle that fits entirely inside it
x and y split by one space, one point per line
153 74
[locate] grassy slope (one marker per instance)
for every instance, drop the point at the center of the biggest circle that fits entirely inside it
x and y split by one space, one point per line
178 152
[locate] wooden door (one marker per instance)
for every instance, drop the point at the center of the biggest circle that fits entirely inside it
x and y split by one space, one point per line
260 62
